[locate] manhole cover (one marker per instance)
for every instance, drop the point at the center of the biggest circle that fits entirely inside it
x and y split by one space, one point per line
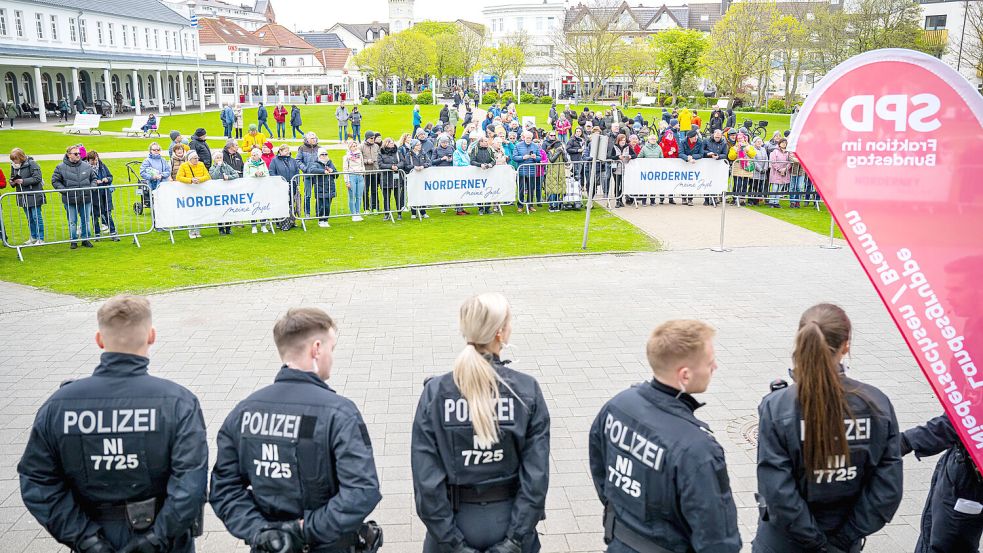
744 430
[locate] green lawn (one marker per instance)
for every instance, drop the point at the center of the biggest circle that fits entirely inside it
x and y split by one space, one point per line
111 268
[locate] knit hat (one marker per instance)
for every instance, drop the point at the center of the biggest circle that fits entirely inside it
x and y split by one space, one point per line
174 134
369 134
414 143
200 132
253 128
673 122
692 133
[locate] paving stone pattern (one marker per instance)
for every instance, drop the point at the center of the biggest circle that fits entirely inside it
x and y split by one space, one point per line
580 328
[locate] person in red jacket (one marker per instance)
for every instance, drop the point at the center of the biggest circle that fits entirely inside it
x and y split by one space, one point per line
280 115
268 154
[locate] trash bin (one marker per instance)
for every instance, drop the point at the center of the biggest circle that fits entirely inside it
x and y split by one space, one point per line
317 99
331 97
343 96
242 98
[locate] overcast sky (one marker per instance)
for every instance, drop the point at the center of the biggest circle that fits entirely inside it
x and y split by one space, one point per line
307 15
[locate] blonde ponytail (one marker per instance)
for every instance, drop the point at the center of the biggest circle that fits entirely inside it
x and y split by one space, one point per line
482 318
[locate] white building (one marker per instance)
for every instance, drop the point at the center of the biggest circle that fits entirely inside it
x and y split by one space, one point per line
49 50
948 20
250 16
539 23
400 15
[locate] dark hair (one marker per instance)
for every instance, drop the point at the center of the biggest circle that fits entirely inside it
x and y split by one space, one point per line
823 330
91 155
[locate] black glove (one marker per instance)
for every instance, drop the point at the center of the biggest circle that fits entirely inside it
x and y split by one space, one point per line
508 545
144 543
283 538
905 446
95 544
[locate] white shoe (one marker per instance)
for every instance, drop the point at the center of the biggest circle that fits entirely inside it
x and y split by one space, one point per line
443 211
39 242
426 215
197 233
413 216
357 218
104 228
323 224
255 230
29 242
191 234
264 228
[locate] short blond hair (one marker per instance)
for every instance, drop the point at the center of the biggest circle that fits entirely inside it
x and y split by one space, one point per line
124 320
675 342
298 326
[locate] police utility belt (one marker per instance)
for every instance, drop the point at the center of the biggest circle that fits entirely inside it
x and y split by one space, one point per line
614 530
140 515
481 494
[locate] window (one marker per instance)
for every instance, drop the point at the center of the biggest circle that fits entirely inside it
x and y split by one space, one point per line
19 23
39 24
935 22
146 38
283 62
126 36
3 21
228 86
518 23
300 62
185 38
704 17
270 62
550 22
156 39
133 30
112 34
83 32
369 36
54 27
539 23
99 31
71 30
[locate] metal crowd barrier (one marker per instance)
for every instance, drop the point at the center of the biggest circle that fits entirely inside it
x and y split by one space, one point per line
755 184
379 192
77 216
535 184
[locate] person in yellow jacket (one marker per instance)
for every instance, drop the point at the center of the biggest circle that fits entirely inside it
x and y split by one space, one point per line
742 168
685 120
253 139
193 171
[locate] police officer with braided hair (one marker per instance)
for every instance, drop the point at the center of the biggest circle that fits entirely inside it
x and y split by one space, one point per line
117 462
294 469
659 472
480 445
829 463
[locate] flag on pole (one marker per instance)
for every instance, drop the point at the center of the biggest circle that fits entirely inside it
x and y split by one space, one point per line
194 21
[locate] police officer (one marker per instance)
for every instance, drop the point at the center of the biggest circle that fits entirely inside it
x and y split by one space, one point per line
480 445
294 469
118 461
658 470
952 521
829 464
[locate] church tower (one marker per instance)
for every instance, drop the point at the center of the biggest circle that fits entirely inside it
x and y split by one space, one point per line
400 15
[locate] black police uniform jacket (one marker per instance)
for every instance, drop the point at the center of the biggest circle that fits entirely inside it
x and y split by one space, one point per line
294 450
662 472
444 453
843 503
117 436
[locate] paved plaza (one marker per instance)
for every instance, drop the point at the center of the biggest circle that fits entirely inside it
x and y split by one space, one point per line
580 327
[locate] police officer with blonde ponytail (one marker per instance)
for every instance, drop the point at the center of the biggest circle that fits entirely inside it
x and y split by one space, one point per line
829 462
480 445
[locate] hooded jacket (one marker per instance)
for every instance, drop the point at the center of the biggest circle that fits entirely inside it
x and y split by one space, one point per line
199 145
30 173
69 175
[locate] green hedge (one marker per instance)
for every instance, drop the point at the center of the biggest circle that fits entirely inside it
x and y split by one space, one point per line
545 99
404 99
424 98
527 98
776 105
506 96
384 98
489 97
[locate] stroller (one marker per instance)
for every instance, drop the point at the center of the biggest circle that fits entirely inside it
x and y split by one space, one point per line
143 191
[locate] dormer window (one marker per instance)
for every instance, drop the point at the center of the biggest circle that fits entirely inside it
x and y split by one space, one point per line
369 36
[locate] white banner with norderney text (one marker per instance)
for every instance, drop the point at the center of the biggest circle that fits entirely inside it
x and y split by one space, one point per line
436 186
674 176
213 202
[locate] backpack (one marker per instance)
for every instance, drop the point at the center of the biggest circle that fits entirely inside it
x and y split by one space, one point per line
286 223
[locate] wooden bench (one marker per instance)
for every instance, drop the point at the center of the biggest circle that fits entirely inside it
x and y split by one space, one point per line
136 126
88 122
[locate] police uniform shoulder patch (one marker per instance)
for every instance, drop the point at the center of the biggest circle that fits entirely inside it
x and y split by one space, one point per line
723 480
66 382
427 381
365 434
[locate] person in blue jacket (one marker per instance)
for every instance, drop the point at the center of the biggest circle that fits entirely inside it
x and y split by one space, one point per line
117 461
526 155
261 119
690 150
480 445
294 469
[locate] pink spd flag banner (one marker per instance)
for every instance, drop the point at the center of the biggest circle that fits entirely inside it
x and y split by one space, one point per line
893 140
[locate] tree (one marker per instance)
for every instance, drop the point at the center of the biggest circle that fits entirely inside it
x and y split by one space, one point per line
377 60
740 45
472 40
885 24
413 54
636 61
593 47
829 38
679 54
792 52
970 50
504 61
